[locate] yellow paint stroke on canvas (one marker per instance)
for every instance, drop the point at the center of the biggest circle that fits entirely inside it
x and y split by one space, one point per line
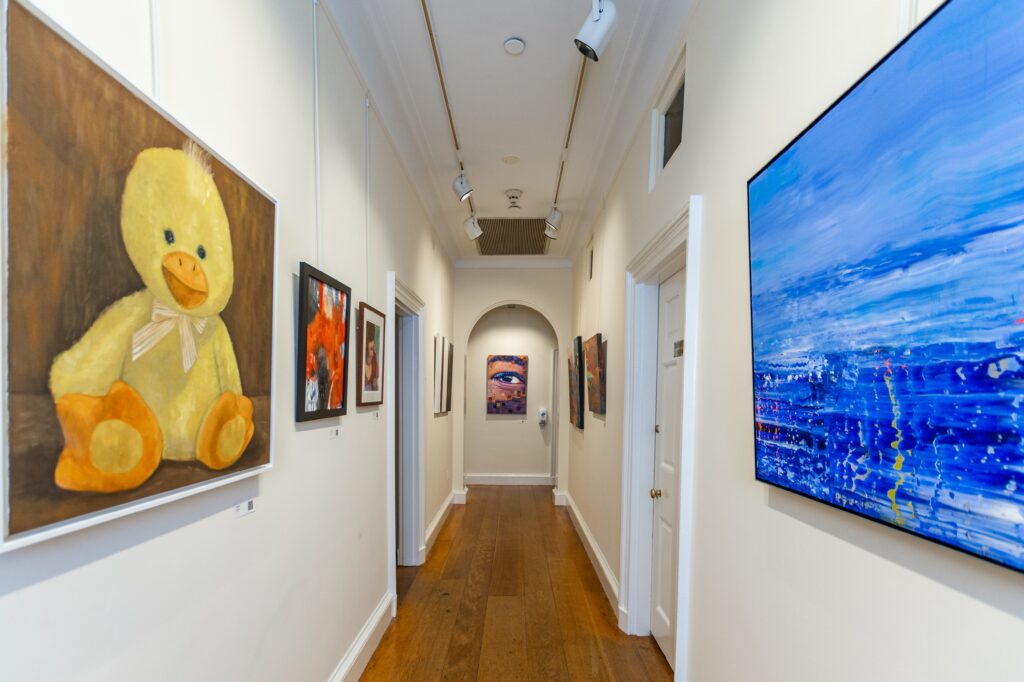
900 458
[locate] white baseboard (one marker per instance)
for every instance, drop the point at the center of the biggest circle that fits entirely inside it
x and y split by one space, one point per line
435 526
509 479
353 663
459 496
604 570
561 497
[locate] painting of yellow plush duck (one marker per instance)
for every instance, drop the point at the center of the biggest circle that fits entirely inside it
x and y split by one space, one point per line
155 375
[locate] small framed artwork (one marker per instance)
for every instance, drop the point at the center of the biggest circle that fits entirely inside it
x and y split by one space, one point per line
438 373
576 382
448 381
322 368
370 339
596 391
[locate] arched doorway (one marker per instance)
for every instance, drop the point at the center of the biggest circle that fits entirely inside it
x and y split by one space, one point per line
506 441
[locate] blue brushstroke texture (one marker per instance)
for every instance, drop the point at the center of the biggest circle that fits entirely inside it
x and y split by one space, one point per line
888 243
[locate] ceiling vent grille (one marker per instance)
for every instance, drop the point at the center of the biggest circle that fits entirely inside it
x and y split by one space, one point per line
512 237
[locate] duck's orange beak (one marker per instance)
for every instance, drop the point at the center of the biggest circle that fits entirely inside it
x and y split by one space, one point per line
186 279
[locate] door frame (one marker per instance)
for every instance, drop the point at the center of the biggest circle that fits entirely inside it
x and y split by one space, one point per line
401 297
677 245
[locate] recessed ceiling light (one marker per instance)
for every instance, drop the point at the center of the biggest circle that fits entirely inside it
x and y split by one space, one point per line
515 46
510 160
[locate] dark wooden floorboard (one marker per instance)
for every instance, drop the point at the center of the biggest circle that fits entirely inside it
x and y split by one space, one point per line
508 593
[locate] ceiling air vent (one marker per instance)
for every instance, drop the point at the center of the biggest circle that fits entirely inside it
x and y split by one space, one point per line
512 237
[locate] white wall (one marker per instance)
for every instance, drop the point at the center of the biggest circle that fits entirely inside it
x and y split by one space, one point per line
784 588
480 289
509 444
189 591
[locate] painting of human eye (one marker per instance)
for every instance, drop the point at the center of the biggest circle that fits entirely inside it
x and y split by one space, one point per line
322 375
506 383
887 296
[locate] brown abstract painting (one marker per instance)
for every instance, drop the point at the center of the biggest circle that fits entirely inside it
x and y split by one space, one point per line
139 295
576 382
596 391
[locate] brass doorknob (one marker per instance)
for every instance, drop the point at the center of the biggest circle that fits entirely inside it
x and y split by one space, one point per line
655 493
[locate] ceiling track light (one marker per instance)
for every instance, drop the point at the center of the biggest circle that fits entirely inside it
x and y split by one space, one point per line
554 220
461 187
597 29
472 226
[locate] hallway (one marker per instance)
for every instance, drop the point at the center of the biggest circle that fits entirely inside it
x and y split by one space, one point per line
508 592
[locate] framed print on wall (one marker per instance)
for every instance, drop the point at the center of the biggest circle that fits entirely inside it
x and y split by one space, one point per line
448 379
139 298
370 326
886 253
322 367
594 359
576 382
438 374
507 383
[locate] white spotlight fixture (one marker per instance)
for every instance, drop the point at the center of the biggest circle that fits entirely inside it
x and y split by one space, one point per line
597 29
460 185
472 227
552 224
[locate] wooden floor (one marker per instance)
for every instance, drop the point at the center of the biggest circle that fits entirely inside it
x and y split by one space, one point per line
508 593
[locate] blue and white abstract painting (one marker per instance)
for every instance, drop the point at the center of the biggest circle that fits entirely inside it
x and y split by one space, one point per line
887 287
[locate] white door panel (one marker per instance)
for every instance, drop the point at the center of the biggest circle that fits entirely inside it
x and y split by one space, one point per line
671 316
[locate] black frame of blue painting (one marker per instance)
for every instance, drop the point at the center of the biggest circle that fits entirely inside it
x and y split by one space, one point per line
765 167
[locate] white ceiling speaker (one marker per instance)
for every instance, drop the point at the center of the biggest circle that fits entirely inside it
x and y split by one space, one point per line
597 29
460 185
473 230
515 46
552 224
514 195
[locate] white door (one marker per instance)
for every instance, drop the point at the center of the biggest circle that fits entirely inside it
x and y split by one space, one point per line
669 443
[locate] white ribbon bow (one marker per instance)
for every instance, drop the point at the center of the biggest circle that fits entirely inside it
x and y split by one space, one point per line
163 321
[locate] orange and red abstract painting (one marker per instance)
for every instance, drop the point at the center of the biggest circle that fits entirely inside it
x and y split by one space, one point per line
323 349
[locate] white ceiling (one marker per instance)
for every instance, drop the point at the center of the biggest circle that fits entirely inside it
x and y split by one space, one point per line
505 105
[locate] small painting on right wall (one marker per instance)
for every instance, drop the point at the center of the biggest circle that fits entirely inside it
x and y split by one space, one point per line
576 382
594 353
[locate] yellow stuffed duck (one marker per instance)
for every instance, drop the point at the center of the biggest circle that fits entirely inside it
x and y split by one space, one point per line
155 376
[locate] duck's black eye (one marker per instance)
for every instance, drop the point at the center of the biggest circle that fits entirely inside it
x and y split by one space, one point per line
168 235
201 251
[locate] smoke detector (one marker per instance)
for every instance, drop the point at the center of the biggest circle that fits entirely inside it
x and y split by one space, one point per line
514 195
515 46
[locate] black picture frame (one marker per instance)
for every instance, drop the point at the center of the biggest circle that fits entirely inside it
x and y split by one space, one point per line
361 321
307 275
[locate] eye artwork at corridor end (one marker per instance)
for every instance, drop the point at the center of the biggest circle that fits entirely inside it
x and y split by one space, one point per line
140 295
887 291
507 377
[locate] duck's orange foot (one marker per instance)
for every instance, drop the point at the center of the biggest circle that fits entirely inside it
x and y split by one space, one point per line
111 443
226 431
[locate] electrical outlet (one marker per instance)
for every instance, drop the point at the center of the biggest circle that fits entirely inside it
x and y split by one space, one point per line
245 508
